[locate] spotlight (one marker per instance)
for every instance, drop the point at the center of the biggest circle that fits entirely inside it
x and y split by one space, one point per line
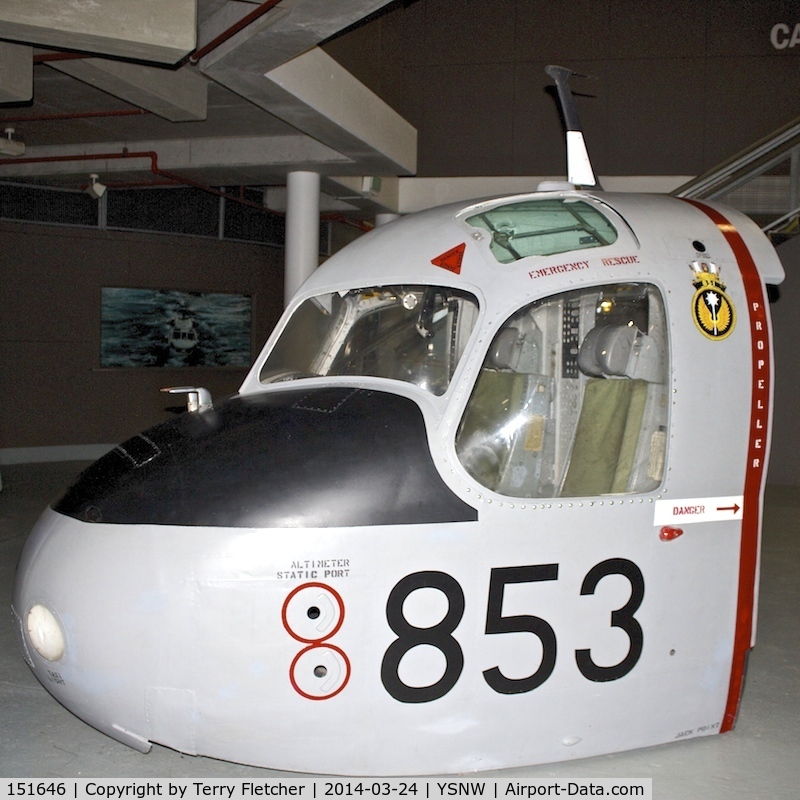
10 147
95 189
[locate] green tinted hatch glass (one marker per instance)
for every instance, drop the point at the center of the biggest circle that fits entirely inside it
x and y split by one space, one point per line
543 228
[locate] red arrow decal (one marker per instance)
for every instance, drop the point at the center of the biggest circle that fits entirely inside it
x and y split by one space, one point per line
451 260
733 508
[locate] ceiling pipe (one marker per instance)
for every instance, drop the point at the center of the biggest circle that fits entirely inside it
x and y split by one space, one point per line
365 227
192 58
195 57
43 58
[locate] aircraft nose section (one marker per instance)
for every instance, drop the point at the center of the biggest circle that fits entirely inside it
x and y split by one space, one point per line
40 630
125 564
331 457
64 615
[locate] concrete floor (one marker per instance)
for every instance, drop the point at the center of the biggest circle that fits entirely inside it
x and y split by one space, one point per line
759 759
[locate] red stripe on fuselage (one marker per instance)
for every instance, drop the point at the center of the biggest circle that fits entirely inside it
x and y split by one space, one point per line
756 455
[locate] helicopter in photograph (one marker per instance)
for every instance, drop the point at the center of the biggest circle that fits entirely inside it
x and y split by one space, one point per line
490 496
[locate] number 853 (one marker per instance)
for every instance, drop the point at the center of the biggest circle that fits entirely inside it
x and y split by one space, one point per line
441 635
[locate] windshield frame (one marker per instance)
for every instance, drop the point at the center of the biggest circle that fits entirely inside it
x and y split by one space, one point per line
454 309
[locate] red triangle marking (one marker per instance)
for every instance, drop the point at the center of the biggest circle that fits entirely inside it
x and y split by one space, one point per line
451 260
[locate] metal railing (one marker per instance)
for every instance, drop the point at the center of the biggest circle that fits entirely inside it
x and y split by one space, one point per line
762 181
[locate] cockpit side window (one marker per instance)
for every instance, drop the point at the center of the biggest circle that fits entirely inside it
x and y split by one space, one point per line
543 227
571 400
415 334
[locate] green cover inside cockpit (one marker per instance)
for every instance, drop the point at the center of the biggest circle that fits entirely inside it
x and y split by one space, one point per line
606 437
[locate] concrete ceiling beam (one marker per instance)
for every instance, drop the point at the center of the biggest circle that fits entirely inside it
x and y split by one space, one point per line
177 95
283 32
316 95
274 64
342 127
147 30
328 103
16 73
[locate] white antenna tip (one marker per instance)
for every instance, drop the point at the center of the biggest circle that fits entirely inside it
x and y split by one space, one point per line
579 168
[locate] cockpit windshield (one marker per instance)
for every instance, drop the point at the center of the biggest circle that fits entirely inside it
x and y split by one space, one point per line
415 334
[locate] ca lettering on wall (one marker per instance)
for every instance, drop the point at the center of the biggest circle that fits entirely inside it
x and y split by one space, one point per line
783 36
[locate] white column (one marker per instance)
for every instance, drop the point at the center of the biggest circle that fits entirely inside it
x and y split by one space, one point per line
302 230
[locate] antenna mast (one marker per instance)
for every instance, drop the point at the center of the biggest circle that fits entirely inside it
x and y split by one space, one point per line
579 168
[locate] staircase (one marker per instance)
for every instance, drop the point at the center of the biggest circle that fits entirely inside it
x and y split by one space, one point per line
762 181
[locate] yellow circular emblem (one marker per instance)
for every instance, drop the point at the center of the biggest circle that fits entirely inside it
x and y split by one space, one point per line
713 312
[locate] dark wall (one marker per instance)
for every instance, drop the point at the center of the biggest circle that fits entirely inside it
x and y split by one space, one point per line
677 85
52 391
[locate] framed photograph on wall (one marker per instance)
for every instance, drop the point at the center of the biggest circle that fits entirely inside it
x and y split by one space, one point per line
170 328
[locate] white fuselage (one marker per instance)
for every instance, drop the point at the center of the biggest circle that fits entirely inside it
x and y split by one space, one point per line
546 626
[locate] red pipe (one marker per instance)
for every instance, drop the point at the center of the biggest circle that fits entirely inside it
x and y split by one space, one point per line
192 58
45 57
353 223
234 29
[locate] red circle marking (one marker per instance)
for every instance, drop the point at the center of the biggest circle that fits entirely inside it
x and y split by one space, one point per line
297 589
325 696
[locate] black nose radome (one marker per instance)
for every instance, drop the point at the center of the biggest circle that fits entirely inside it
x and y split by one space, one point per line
333 457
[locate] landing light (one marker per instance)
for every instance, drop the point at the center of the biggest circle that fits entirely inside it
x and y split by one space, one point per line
45 633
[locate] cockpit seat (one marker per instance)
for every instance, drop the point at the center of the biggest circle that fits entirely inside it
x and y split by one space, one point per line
620 351
612 447
505 350
502 434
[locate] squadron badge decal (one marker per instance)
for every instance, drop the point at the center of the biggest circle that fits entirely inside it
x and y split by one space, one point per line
712 309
